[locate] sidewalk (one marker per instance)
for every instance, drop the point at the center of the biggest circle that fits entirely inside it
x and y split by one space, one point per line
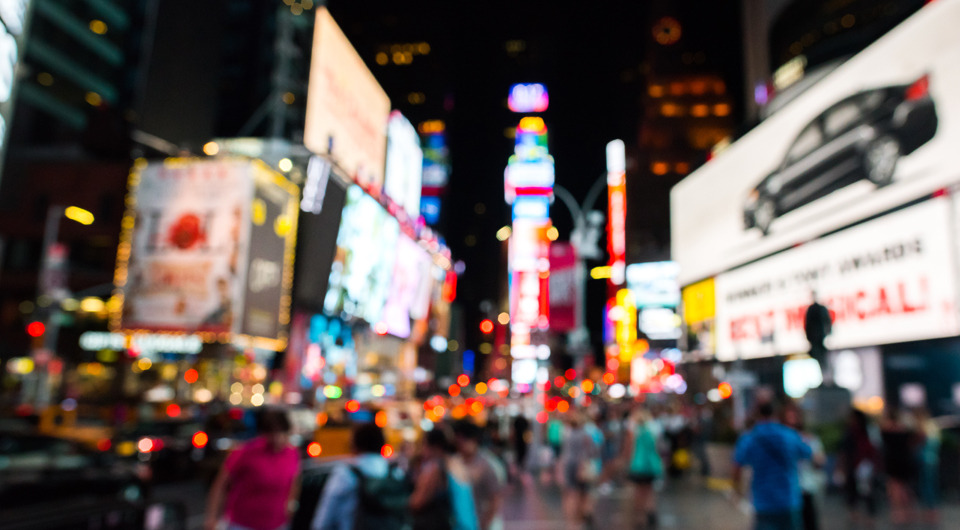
685 504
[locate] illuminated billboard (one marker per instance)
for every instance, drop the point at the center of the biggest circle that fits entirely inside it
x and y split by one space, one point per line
654 284
885 281
528 97
404 164
617 211
14 15
186 262
364 264
347 110
878 132
410 288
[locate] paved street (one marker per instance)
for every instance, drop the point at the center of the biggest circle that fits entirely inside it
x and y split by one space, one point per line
684 505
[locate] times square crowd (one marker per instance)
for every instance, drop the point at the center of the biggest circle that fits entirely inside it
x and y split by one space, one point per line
458 474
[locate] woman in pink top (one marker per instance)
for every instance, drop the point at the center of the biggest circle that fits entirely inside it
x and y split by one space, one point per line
260 480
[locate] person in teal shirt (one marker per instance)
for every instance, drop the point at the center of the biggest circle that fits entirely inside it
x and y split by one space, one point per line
645 466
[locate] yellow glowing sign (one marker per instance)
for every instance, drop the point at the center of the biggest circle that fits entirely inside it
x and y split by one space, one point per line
79 215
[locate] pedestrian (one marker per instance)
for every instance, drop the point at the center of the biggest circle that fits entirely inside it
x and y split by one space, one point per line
859 460
899 463
366 492
812 481
487 476
577 462
928 463
645 466
442 498
259 480
773 451
521 435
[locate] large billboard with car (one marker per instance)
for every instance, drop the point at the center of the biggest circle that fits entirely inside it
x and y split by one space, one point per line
879 132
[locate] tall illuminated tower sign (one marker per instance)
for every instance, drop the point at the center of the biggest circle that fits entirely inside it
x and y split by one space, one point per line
528 187
617 214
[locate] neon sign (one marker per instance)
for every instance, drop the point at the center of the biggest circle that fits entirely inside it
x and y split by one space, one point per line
617 214
530 97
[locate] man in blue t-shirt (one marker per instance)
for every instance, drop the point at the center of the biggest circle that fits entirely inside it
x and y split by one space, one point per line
772 450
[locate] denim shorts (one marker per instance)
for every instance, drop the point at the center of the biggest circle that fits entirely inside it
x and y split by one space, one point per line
779 521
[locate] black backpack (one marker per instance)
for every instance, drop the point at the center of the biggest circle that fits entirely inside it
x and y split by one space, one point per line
383 503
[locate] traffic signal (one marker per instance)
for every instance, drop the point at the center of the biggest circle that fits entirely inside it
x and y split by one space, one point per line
486 326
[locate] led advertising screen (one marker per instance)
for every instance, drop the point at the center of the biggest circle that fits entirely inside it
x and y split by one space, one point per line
183 253
410 288
14 15
273 230
364 264
878 132
347 110
654 284
317 245
888 280
404 164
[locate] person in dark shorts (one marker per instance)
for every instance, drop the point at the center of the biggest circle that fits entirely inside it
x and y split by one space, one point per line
859 460
899 448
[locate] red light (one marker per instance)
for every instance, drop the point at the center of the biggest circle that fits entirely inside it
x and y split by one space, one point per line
559 382
386 451
145 445
454 390
200 439
570 374
725 390
173 410
352 405
609 378
550 405
380 419
463 380
486 326
613 364
191 376
314 449
104 444
919 89
381 328
542 417
36 329
236 414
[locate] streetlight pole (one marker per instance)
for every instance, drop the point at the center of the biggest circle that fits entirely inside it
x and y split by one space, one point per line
584 238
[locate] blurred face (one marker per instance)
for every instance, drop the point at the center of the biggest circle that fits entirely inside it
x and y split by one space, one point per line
467 446
791 418
278 440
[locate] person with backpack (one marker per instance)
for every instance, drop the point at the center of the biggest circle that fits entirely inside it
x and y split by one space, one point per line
773 451
645 465
367 492
259 480
442 498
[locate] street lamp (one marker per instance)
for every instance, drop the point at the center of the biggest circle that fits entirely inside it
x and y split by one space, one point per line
587 227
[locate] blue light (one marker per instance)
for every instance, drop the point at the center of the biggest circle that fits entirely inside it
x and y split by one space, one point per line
430 209
469 359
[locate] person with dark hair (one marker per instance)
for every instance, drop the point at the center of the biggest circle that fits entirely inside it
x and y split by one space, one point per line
859 460
442 498
366 491
899 464
773 451
259 480
487 475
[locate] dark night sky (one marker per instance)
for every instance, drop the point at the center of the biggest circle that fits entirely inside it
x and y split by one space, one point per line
587 53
